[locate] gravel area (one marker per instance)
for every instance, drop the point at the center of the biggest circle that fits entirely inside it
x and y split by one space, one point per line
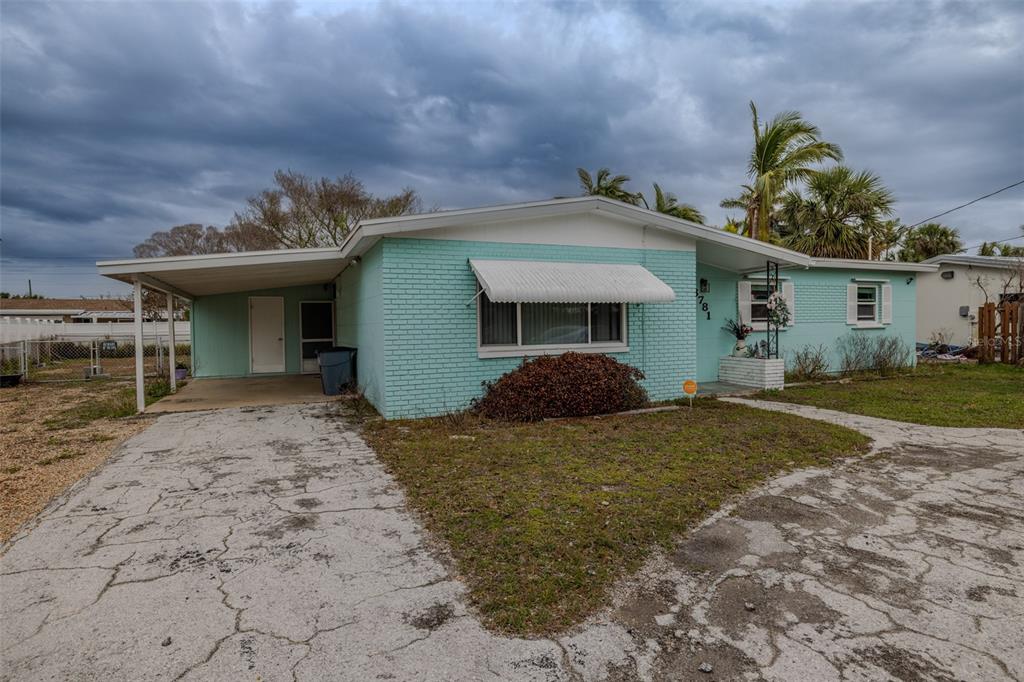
39 461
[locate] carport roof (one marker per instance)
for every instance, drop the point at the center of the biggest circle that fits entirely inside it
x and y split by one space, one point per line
191 276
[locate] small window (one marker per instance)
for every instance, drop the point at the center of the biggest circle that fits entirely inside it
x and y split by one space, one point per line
867 304
758 302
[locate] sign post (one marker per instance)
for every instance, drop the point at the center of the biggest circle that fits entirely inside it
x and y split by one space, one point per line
690 389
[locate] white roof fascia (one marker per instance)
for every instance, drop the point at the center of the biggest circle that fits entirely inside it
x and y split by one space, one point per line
979 261
518 281
178 263
853 264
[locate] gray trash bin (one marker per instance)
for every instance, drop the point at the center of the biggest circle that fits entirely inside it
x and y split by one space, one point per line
337 369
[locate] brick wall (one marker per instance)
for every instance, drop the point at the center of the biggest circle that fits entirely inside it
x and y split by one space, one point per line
430 321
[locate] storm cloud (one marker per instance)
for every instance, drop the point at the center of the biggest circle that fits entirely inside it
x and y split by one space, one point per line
118 119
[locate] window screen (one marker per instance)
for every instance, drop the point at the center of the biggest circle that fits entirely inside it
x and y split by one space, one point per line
605 322
497 323
759 303
317 320
867 303
554 323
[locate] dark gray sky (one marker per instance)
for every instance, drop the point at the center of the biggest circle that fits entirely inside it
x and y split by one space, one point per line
119 119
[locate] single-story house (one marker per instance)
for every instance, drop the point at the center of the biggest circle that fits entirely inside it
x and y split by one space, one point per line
66 309
949 297
440 302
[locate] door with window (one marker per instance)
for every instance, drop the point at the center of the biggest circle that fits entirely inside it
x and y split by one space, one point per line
316 324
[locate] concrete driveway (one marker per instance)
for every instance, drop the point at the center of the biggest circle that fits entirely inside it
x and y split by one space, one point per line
269 544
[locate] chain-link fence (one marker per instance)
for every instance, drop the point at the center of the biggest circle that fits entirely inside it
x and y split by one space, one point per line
59 359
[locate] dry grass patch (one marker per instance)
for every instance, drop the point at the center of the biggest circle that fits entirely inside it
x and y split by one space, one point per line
543 518
51 435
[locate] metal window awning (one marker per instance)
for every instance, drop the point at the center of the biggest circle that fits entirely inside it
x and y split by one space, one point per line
517 281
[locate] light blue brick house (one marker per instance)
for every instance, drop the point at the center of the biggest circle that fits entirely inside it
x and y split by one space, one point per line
439 303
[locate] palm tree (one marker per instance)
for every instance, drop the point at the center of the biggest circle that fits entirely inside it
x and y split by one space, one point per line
841 213
785 149
607 185
735 226
929 240
667 203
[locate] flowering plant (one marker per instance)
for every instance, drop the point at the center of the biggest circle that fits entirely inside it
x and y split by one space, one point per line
738 329
778 311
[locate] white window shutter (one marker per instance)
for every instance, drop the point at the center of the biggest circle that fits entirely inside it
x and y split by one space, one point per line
886 304
743 296
789 293
851 304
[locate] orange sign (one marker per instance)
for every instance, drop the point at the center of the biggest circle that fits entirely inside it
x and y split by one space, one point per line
690 387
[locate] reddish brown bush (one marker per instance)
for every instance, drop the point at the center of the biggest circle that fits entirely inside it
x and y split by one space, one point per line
569 385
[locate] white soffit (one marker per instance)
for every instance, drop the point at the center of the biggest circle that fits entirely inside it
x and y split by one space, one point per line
515 281
227 273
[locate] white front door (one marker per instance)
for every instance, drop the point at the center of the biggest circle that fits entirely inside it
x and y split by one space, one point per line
266 334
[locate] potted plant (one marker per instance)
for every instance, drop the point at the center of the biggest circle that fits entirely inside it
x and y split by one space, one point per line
740 331
180 371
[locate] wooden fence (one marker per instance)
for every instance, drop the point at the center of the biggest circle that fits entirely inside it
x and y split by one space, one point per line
1000 329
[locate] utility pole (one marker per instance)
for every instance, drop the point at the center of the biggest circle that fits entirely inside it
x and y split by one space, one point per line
30 288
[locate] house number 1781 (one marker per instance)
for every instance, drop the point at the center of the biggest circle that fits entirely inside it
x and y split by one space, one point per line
704 307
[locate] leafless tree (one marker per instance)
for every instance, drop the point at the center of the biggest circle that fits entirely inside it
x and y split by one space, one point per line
193 238
301 212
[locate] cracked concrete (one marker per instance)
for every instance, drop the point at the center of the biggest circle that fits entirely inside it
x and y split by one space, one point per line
270 544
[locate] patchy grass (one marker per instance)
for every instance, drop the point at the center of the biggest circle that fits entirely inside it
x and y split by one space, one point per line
53 434
933 394
65 455
106 405
543 518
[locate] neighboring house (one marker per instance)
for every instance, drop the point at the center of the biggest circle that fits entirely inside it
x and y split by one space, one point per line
948 299
440 302
67 309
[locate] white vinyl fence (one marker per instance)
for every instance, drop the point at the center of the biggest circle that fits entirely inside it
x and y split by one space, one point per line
23 329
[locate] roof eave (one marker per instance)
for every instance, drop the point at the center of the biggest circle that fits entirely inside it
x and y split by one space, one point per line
853 264
367 232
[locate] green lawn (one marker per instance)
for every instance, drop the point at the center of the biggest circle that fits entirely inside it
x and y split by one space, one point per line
936 395
543 518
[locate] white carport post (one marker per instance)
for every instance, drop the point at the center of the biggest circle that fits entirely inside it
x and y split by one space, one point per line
170 340
140 380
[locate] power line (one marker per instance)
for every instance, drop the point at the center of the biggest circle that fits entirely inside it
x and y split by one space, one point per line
973 201
1001 241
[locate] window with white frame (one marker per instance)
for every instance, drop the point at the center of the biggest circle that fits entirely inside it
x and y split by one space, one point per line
867 303
550 326
759 303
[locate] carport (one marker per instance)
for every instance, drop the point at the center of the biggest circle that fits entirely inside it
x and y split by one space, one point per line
217 394
194 278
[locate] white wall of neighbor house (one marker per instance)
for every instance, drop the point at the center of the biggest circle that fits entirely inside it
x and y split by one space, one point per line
940 298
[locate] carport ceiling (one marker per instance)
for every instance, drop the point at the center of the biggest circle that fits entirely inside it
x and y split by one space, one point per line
228 273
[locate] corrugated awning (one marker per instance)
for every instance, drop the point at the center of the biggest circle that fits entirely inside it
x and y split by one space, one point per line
517 281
